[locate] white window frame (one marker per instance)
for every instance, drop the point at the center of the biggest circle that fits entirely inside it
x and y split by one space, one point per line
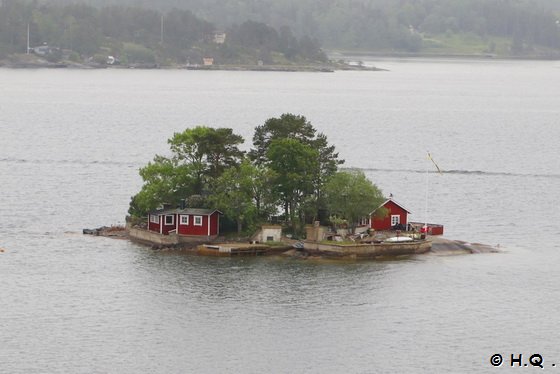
172 220
154 218
197 220
395 219
184 220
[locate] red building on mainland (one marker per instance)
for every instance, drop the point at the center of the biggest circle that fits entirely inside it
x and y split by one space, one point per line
187 222
396 214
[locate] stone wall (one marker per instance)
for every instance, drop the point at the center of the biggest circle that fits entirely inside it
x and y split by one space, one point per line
150 237
315 232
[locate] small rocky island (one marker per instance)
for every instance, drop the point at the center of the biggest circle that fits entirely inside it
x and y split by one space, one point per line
269 241
287 195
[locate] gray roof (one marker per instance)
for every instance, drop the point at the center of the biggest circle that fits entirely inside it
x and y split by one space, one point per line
192 211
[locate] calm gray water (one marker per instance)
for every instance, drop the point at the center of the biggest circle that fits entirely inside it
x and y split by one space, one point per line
71 143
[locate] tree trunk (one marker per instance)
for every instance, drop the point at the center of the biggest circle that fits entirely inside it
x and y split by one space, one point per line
239 225
292 218
301 221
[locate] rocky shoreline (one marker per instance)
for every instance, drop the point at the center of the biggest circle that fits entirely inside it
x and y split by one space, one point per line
440 246
34 62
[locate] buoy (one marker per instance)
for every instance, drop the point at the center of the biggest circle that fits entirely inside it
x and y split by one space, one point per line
1 250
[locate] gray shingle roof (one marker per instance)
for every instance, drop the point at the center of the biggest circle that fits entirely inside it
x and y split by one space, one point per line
192 211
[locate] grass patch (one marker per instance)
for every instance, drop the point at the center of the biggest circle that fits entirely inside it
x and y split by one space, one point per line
466 44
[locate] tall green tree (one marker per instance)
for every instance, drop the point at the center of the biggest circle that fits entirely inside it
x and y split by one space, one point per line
209 151
199 156
296 167
352 196
243 193
291 126
297 127
164 182
287 126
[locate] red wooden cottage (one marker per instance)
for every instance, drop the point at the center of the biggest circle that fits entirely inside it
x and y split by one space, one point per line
188 222
396 214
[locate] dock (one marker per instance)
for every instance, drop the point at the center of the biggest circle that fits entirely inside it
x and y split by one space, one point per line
232 249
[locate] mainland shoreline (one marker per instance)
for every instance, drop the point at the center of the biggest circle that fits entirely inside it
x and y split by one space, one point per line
24 61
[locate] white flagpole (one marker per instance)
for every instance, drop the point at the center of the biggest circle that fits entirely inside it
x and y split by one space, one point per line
427 187
426 202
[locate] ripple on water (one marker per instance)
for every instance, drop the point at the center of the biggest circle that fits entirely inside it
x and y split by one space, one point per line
80 304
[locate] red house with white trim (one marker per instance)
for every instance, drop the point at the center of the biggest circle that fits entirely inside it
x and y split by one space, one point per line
187 222
396 214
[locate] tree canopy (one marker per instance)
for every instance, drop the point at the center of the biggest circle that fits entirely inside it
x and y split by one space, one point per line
286 126
164 181
291 168
382 25
296 166
351 196
243 193
209 151
299 130
290 126
198 156
136 35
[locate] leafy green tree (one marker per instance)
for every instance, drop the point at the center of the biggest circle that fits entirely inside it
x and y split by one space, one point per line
296 167
82 37
136 53
286 126
199 156
208 151
255 35
311 49
183 29
290 126
242 193
164 182
350 195
14 16
266 202
288 43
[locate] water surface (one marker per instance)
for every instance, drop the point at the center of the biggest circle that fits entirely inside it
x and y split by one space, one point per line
71 143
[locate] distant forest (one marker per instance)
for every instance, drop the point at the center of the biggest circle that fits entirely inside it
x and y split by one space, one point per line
137 35
295 29
377 25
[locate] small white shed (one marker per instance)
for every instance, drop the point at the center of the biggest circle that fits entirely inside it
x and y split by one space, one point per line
268 233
